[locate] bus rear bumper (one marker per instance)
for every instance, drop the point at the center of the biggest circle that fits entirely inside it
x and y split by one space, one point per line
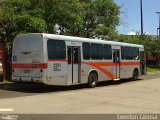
27 79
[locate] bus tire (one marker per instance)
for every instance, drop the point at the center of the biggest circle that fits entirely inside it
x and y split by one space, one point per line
92 80
135 74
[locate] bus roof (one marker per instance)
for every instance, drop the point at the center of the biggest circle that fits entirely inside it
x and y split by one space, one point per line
80 39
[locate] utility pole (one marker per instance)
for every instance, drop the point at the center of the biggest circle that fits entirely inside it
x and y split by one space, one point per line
141 8
158 35
159 23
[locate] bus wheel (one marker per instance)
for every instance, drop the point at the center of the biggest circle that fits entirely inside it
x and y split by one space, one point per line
135 74
92 80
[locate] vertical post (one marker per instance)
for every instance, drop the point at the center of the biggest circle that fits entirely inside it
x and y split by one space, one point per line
159 23
1 79
4 61
141 7
158 35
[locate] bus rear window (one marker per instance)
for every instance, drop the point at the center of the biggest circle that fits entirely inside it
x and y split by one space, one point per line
56 49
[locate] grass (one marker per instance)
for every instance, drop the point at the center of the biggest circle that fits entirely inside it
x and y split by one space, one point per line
1 69
6 82
152 69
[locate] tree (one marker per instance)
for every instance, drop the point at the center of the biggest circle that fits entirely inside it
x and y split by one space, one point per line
89 18
85 18
100 19
15 18
151 44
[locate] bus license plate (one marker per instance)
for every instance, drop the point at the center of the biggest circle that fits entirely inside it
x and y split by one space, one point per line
26 71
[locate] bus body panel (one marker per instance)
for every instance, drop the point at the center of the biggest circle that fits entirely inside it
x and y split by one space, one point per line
57 73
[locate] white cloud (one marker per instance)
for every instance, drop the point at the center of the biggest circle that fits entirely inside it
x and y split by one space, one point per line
146 33
131 33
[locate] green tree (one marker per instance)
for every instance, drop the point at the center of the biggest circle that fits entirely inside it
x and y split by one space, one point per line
100 19
16 16
89 18
85 18
150 43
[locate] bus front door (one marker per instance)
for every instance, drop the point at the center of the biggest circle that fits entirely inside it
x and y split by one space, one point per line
73 64
116 61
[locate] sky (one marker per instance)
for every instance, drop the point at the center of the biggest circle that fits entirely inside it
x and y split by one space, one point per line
130 20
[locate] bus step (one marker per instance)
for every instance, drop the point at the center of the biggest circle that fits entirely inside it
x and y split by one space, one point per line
116 79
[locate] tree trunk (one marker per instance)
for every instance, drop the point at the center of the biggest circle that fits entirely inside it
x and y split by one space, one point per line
3 50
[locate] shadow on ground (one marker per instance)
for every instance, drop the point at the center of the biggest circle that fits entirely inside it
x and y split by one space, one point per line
11 90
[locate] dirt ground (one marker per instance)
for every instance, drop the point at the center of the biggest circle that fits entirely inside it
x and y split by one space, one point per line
125 96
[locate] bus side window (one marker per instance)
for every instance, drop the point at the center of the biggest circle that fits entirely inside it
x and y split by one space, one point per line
56 49
69 55
114 57
86 51
75 56
122 53
136 53
96 51
107 52
128 53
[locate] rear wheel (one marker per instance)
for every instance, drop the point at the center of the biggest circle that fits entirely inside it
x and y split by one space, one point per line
135 74
92 80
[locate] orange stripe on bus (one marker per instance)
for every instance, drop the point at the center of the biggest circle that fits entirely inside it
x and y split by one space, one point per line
129 63
42 66
112 64
57 60
102 63
97 65
106 72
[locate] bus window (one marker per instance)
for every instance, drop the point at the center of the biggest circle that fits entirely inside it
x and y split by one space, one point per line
96 51
69 55
86 51
122 53
107 52
75 52
56 49
136 53
128 53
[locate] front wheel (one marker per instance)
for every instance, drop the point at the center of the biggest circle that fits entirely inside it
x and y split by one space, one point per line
92 80
135 75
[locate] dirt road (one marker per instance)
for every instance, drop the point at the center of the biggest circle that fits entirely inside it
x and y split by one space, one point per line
140 96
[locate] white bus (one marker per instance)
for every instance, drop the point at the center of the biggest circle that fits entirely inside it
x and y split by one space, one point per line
65 60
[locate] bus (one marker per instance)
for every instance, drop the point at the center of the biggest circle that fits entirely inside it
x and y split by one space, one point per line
64 60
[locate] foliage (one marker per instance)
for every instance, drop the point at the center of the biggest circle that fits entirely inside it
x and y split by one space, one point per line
72 17
151 44
85 18
101 19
